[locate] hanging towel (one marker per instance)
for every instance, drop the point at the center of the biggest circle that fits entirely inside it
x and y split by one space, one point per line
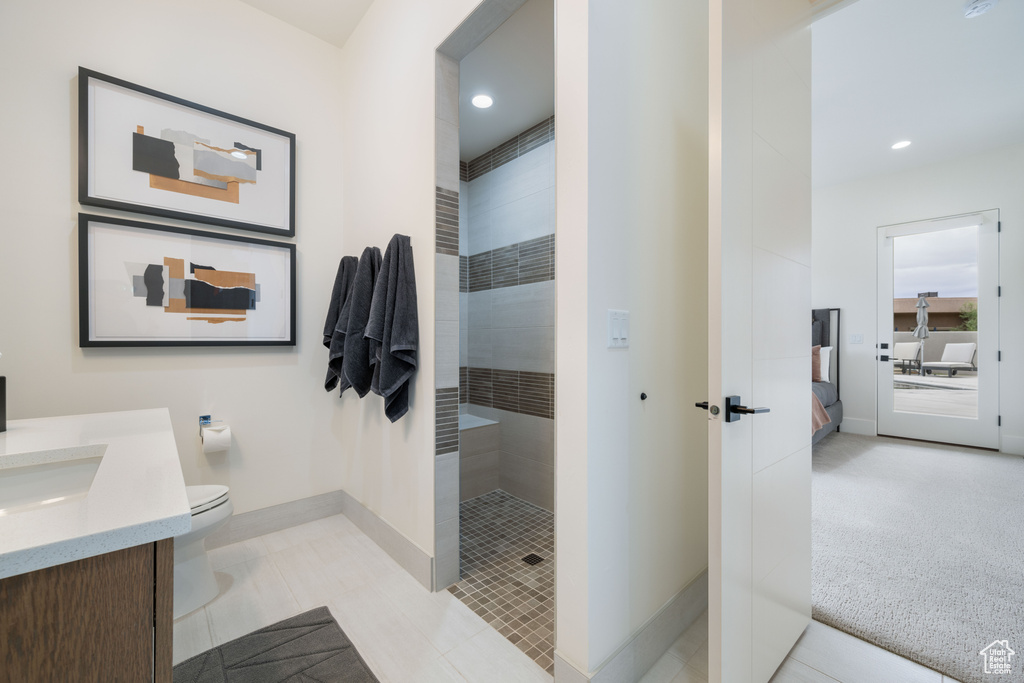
337 323
394 327
357 367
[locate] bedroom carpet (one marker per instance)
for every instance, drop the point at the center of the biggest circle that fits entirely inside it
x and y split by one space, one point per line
307 648
919 549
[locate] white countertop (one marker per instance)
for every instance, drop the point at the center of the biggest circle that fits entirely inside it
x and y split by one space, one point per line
137 495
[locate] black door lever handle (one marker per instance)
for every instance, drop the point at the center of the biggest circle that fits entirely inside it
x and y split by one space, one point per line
743 410
702 404
734 409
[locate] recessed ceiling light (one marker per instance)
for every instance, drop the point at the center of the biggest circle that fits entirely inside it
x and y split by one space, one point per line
238 155
901 145
482 101
975 8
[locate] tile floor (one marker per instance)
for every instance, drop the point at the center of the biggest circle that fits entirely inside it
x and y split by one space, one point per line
687 660
406 633
822 655
403 631
496 531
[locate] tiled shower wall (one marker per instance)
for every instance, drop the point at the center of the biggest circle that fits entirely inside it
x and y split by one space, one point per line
506 308
446 323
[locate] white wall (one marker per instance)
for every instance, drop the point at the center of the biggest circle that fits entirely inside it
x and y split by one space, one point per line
388 174
638 470
288 445
845 219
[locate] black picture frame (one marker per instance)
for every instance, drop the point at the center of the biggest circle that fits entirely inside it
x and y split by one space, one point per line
113 276
186 200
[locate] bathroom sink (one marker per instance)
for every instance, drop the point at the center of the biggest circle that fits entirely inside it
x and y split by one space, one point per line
30 481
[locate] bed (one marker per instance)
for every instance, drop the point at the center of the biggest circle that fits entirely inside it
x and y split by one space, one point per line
825 333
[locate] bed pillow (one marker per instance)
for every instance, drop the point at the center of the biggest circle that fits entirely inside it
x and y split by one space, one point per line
815 363
826 358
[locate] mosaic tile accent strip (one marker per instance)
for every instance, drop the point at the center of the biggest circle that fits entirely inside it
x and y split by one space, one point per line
516 264
480 272
463 385
481 386
505 390
537 260
496 531
529 393
537 394
447 221
463 273
446 421
527 141
464 171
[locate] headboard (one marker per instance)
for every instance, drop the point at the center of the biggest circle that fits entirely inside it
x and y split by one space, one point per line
825 331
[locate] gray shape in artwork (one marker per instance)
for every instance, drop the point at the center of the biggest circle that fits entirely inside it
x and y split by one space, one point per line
259 154
184 155
257 292
138 285
181 137
219 164
154 156
184 146
154 279
176 288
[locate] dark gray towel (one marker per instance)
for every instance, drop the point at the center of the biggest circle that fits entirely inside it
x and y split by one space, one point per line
394 327
358 362
337 322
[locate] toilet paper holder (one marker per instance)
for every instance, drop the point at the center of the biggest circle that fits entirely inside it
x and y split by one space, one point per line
205 421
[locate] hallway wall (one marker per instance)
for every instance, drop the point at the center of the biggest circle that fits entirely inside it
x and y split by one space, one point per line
632 208
844 271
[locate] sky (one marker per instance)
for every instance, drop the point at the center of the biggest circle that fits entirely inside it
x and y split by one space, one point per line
945 262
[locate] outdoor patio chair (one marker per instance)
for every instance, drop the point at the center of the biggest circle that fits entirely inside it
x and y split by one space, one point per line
955 357
907 357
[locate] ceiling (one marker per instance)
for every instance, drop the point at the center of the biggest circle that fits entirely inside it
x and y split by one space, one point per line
891 70
329 20
515 65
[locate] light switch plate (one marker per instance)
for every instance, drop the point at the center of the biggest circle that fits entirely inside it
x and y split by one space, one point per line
856 338
618 329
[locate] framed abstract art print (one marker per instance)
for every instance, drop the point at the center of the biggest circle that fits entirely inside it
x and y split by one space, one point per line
142 284
147 152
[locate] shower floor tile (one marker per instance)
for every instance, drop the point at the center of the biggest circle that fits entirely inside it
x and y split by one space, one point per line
496 531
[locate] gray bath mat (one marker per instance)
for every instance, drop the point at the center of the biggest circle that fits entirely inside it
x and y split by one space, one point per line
308 648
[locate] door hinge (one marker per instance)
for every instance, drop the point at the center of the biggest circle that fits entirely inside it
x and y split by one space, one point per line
999 226
999 290
999 421
999 356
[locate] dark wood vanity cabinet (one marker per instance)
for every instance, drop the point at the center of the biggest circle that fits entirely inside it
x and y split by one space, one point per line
104 619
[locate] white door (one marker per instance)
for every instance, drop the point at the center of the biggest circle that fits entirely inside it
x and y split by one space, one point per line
949 390
759 347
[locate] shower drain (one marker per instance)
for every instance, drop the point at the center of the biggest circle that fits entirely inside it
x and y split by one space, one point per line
533 558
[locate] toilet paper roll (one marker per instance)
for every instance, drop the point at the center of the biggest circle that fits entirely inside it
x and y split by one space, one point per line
216 439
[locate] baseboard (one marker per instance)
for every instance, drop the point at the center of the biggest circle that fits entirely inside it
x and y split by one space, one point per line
1013 445
636 657
393 542
248 525
268 520
853 425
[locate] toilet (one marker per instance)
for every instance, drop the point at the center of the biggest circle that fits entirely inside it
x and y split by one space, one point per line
194 583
